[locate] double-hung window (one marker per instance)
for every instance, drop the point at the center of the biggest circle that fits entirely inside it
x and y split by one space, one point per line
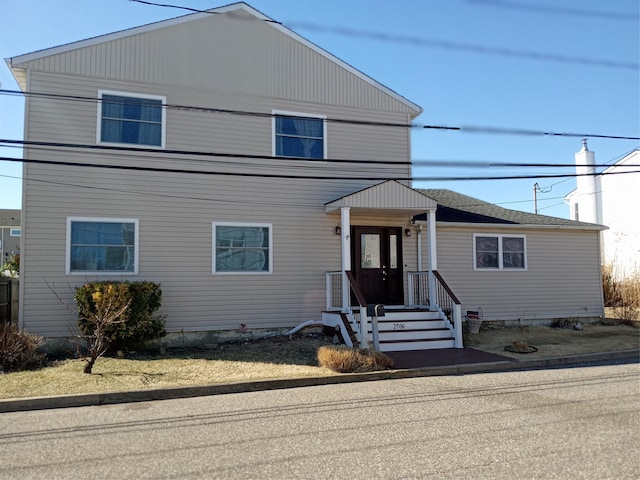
299 135
131 119
499 252
102 245
242 248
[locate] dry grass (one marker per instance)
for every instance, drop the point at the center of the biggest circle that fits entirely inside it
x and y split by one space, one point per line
343 359
556 342
281 358
622 295
238 362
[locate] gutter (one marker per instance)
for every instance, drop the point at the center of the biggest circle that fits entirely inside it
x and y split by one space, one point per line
527 226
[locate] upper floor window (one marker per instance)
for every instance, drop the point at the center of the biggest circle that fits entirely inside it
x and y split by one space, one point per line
131 119
299 135
242 248
499 252
105 245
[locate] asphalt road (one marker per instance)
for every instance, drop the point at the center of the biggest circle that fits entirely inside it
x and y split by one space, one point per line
561 423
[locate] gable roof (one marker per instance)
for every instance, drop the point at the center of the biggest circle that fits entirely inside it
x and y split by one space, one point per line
390 195
18 64
10 218
455 207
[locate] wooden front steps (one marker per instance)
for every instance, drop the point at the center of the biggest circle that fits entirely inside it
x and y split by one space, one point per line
400 330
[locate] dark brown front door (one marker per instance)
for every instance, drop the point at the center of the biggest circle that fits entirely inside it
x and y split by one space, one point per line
377 263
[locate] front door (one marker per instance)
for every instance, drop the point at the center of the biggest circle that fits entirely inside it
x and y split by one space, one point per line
377 263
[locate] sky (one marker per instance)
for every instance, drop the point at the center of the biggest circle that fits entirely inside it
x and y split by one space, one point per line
561 66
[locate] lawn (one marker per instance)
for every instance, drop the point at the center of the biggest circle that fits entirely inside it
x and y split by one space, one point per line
279 357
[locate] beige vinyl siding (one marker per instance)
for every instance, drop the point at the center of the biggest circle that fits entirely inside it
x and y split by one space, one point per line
176 245
66 121
214 63
249 57
562 278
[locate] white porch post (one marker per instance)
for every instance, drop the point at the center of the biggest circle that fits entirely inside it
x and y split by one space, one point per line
433 255
345 235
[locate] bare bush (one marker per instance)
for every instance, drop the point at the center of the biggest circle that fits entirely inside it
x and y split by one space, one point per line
622 294
345 360
18 349
111 302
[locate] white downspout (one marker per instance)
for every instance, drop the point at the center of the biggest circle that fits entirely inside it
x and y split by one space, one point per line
419 247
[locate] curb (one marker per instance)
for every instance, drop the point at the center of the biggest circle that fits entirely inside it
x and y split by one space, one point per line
111 398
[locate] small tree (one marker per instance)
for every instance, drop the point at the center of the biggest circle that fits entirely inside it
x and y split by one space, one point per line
110 302
139 322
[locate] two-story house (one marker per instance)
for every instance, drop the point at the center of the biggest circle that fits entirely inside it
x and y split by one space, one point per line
247 170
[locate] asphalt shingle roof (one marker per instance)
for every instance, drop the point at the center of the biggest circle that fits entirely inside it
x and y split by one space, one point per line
10 218
456 207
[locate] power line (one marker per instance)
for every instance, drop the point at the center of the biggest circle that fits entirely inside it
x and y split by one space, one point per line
245 113
432 43
54 146
299 177
599 14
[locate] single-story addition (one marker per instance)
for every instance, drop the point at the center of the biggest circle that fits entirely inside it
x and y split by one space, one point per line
254 176
516 266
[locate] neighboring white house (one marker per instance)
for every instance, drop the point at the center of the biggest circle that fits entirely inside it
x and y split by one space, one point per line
610 199
247 170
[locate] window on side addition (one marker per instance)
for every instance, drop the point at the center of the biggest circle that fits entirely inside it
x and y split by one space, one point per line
499 252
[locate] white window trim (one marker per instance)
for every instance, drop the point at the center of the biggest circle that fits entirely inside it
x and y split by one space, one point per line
15 232
241 224
276 113
500 253
163 127
136 247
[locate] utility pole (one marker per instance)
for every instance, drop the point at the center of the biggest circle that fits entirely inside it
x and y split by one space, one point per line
536 187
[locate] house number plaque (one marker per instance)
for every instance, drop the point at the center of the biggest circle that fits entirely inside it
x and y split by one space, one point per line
398 326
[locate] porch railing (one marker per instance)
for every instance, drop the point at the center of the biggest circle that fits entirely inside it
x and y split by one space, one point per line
425 289
418 289
449 304
429 289
357 313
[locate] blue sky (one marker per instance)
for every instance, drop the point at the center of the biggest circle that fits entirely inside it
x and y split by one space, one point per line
443 55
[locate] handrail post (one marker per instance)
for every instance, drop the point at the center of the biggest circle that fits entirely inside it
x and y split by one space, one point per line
364 329
433 296
457 325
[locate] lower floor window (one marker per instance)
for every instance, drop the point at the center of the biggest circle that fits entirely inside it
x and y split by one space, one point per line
499 252
102 245
241 247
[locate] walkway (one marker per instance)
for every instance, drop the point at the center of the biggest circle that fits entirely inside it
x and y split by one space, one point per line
443 357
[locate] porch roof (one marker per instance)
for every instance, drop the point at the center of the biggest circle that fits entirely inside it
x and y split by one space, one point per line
391 197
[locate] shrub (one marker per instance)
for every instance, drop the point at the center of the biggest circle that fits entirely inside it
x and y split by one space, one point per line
343 359
621 294
137 322
18 349
11 266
